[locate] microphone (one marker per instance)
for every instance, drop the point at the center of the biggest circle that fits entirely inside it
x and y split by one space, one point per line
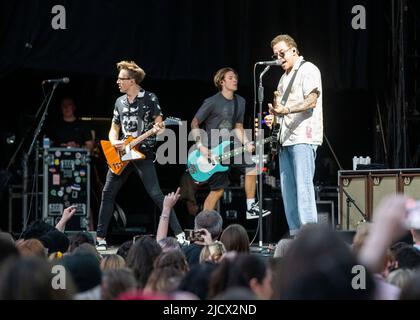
269 63
62 80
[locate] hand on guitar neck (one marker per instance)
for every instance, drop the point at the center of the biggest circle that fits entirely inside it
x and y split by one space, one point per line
157 129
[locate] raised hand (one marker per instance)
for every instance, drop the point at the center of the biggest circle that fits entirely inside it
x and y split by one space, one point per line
171 198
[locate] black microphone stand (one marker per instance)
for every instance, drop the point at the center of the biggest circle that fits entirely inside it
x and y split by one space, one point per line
260 151
26 156
349 201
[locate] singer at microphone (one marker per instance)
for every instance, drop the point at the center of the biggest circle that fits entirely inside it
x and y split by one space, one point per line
62 80
269 63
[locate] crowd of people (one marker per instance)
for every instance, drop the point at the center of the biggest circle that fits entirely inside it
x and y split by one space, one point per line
216 264
312 262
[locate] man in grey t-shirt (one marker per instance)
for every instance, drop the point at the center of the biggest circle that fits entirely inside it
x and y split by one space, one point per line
223 117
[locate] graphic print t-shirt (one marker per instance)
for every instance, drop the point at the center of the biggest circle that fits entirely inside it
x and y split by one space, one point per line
137 117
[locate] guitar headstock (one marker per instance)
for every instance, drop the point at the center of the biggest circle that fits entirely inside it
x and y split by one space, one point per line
172 121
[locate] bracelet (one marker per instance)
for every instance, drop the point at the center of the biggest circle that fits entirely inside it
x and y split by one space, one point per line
164 217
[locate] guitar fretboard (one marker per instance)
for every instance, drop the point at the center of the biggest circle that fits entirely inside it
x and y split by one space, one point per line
139 139
239 150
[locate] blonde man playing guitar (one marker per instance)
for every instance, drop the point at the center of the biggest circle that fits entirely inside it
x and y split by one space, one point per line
134 113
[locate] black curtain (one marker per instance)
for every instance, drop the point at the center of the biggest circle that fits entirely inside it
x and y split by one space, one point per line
189 39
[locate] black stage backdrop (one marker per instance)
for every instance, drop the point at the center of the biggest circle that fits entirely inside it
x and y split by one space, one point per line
189 39
180 44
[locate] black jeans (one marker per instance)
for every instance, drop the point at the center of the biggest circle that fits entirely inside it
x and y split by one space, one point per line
146 171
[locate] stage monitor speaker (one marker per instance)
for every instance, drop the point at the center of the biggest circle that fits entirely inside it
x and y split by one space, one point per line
353 192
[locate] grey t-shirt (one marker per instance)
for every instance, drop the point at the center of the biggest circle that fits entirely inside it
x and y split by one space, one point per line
216 113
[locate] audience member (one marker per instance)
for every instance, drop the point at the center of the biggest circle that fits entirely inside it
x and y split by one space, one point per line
116 282
141 257
111 262
213 223
32 248
235 238
30 278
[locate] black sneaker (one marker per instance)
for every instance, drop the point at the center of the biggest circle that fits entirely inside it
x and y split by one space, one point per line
101 245
253 213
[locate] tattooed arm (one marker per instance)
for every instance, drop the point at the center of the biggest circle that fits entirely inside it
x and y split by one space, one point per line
308 103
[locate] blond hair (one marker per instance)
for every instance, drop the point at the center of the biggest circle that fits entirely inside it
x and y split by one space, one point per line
220 76
286 39
212 252
133 69
112 262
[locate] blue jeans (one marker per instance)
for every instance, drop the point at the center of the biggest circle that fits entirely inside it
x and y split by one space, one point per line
297 169
146 170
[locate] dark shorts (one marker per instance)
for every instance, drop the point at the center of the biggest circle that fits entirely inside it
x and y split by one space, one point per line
220 180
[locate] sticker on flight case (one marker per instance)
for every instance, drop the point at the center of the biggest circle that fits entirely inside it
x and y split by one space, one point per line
82 173
57 162
58 154
77 179
78 155
76 187
74 194
56 179
68 189
53 193
77 162
60 193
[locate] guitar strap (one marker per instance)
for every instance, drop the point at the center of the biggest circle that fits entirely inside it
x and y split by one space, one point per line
145 101
285 97
235 110
289 87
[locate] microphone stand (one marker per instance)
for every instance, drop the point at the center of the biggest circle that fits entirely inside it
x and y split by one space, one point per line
349 201
260 151
26 156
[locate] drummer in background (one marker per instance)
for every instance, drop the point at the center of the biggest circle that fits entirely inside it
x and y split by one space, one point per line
69 131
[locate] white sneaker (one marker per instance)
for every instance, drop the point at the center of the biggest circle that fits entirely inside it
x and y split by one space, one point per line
253 213
182 240
101 245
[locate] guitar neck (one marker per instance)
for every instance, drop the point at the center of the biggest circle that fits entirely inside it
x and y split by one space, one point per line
141 138
239 150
